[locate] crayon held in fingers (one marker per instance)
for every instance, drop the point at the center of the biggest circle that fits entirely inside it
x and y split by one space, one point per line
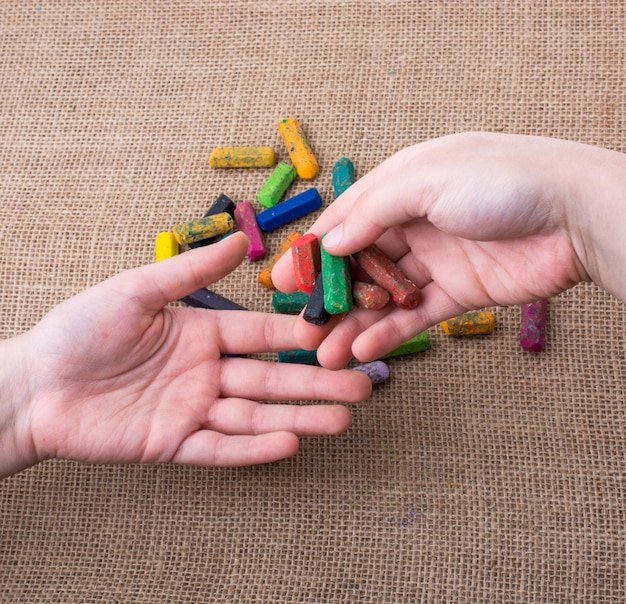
376 371
472 323
298 148
418 343
304 357
533 326
315 313
246 220
306 261
166 246
290 209
289 304
343 175
205 298
385 272
265 277
337 283
203 228
276 185
369 295
242 157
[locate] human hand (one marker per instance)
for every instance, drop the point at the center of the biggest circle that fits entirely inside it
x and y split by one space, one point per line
474 220
114 375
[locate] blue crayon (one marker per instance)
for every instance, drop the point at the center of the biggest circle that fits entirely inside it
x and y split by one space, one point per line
343 175
289 210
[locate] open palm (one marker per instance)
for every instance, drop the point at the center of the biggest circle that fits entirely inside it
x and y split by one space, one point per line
122 377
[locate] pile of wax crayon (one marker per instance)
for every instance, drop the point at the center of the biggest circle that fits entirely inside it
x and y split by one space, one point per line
324 282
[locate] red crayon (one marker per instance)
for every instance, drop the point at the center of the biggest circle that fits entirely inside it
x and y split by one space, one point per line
306 261
384 272
369 295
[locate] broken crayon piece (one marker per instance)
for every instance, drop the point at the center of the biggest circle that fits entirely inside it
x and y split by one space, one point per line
290 209
369 295
471 323
203 228
246 220
304 357
242 157
289 304
276 185
166 246
337 283
343 175
315 312
306 261
533 326
205 298
222 204
418 343
265 277
376 371
298 148
385 273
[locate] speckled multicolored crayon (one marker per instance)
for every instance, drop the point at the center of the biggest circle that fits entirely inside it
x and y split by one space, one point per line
384 271
242 157
471 323
203 228
418 343
337 283
246 220
276 185
376 371
304 357
298 148
369 295
306 257
289 304
343 175
533 326
265 277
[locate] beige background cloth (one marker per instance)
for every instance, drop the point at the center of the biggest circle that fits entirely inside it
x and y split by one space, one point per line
478 472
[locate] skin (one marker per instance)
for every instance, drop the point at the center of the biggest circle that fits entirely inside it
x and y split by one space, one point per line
115 375
475 220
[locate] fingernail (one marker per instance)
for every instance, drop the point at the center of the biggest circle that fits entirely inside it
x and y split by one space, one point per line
333 237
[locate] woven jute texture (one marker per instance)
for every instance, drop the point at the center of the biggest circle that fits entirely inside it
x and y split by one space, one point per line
478 472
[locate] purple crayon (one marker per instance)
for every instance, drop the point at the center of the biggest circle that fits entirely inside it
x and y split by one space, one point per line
290 209
246 219
533 330
376 371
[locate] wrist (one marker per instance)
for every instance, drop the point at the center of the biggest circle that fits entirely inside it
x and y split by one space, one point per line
17 451
597 220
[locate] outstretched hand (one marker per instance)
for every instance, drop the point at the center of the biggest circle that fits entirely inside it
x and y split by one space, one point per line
474 220
116 375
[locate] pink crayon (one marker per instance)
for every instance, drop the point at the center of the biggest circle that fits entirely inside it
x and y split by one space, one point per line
533 330
246 220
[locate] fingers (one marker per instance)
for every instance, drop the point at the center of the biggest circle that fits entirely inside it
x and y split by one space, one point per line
208 448
260 380
169 280
242 416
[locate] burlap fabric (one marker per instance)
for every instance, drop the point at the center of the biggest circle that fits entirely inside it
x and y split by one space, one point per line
478 472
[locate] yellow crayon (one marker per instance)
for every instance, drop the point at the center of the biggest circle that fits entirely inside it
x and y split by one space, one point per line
265 278
242 157
166 246
471 323
203 228
299 151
